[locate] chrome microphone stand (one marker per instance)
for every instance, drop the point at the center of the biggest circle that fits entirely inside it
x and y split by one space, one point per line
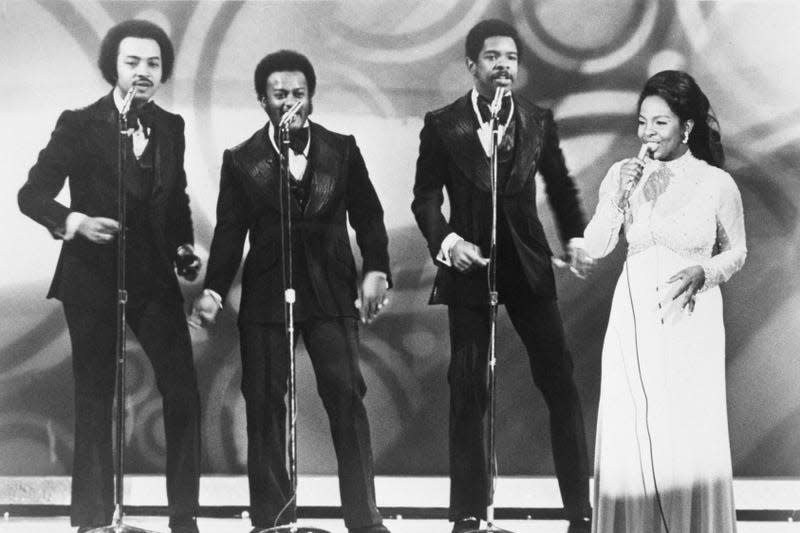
289 299
494 109
122 299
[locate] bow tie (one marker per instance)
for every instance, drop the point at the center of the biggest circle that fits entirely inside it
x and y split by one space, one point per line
145 114
484 104
298 139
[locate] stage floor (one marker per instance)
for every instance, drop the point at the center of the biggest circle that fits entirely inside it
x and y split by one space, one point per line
225 525
411 504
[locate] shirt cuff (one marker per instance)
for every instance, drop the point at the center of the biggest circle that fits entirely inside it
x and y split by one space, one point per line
185 249
380 274
74 220
576 243
619 209
708 275
215 295
447 245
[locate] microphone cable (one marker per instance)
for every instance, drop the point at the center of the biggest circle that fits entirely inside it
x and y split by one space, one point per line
646 400
643 387
285 508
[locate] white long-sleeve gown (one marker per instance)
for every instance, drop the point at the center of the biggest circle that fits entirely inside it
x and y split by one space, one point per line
662 421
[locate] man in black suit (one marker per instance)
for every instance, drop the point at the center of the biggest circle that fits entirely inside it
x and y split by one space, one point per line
454 155
329 184
84 148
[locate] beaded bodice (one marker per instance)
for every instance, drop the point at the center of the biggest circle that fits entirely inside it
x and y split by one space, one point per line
684 205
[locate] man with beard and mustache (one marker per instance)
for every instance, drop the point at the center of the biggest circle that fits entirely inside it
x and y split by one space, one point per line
84 148
454 155
329 185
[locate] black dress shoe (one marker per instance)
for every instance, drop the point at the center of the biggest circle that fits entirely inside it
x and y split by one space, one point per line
463 525
379 528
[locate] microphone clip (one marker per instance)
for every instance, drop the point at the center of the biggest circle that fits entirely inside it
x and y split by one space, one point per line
497 102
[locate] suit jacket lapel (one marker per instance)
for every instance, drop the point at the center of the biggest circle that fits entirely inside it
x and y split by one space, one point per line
325 166
458 129
163 153
259 160
528 145
105 133
164 162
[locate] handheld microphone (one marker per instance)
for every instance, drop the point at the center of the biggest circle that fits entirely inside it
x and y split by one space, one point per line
289 115
647 148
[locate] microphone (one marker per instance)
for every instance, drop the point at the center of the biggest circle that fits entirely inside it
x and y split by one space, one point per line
497 101
646 149
289 115
126 103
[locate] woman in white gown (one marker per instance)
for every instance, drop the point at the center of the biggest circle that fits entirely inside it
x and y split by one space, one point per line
662 457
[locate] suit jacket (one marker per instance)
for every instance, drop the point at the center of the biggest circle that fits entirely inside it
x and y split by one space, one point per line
249 201
451 157
83 147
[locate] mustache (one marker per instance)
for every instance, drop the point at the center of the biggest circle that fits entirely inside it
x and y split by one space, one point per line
143 81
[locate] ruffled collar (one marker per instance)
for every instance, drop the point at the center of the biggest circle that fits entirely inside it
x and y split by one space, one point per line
680 161
676 166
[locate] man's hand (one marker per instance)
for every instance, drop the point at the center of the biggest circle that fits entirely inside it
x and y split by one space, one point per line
373 296
575 257
187 264
691 280
99 230
465 256
580 263
204 311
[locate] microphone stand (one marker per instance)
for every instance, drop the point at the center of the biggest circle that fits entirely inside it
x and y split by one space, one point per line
493 303
289 299
122 299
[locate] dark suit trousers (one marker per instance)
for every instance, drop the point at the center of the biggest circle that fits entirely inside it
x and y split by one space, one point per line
332 345
161 329
538 323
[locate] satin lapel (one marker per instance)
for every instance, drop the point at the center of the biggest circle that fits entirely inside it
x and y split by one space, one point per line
528 145
164 158
458 128
260 162
326 165
105 136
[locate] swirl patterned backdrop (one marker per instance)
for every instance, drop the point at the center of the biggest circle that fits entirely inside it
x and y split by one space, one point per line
381 64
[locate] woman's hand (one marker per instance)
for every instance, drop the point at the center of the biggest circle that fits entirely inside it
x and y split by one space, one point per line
690 281
629 176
